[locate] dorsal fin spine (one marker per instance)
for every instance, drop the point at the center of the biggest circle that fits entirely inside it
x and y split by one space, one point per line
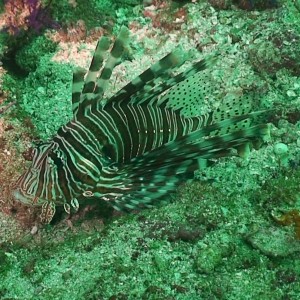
95 84
96 64
114 57
87 86
77 85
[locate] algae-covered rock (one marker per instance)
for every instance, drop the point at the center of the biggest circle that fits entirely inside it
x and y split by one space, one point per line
275 50
211 257
274 242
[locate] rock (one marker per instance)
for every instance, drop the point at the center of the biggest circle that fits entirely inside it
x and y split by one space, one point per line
274 242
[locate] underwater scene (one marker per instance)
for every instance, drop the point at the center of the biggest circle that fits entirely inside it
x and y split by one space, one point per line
149 149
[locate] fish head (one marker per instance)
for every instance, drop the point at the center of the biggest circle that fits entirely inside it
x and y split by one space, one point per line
40 184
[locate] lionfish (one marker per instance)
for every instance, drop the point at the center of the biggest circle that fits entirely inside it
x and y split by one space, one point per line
134 148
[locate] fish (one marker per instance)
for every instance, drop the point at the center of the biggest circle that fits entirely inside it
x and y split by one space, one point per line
134 148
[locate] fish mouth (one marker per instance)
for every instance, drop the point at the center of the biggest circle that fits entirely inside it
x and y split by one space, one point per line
19 195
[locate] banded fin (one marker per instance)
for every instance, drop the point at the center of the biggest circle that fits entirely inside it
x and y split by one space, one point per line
77 85
96 64
114 58
99 73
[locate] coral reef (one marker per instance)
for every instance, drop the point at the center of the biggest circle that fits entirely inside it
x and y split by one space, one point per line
222 236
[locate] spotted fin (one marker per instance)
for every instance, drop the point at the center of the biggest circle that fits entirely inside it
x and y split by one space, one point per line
153 96
143 84
152 83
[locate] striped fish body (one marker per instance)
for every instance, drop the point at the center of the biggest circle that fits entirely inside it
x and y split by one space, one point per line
135 147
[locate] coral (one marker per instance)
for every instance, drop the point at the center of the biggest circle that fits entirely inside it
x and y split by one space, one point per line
281 150
211 257
282 190
273 242
166 16
23 15
91 12
282 193
77 32
21 22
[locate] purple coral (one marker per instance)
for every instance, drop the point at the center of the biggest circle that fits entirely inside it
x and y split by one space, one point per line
26 15
38 17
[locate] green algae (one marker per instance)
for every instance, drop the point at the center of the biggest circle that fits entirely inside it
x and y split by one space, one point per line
28 57
47 96
4 263
91 11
